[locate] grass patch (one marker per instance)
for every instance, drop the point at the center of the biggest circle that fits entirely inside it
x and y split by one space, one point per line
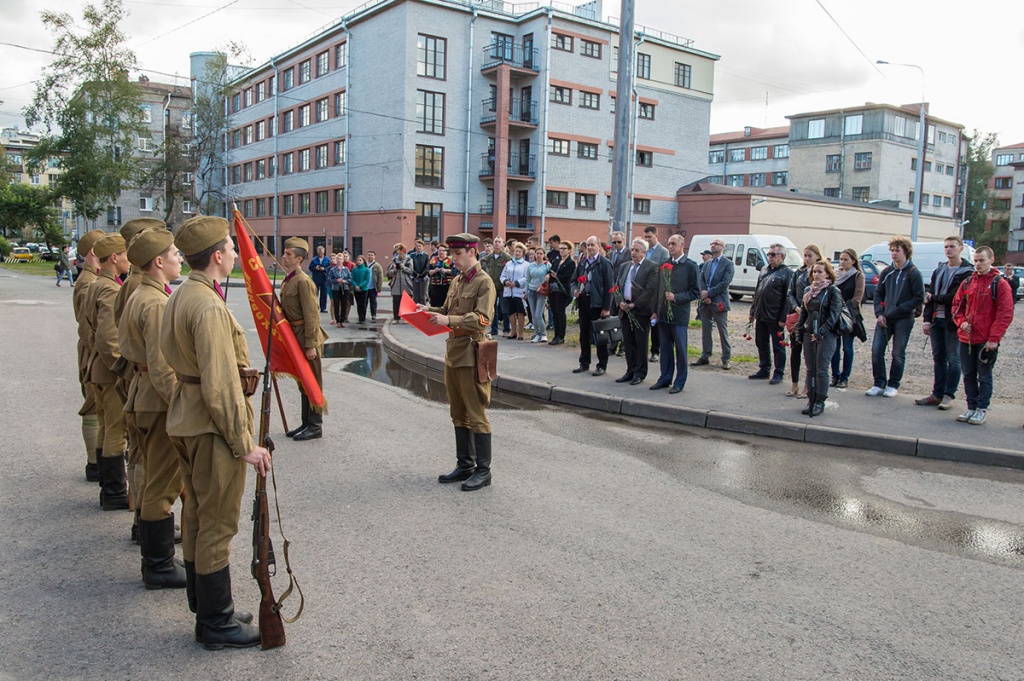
42 268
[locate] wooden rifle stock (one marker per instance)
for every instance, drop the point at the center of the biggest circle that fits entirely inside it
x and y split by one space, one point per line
271 624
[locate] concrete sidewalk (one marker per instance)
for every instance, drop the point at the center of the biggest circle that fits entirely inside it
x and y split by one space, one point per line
728 401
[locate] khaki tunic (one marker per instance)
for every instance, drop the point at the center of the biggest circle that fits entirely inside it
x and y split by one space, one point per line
130 285
85 337
301 308
99 309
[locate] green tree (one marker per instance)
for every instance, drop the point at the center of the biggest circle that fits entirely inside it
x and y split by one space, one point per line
210 124
980 171
24 207
90 108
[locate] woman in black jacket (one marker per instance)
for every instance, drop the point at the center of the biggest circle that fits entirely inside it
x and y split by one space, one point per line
560 284
850 282
819 317
797 287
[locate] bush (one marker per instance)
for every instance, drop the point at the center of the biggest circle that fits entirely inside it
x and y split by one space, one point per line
5 248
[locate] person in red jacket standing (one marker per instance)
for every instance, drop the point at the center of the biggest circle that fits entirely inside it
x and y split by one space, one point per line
983 310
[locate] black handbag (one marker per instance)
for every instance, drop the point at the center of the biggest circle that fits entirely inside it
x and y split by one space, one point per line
607 331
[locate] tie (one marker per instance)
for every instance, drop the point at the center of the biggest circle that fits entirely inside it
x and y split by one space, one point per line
714 264
628 293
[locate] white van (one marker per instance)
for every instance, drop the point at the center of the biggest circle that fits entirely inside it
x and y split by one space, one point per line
927 256
747 252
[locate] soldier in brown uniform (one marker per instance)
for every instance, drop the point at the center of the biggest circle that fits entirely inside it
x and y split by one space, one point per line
155 257
210 421
301 309
99 308
90 423
467 312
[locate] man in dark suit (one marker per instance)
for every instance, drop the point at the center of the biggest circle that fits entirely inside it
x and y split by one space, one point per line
618 256
673 314
593 296
638 284
657 254
715 276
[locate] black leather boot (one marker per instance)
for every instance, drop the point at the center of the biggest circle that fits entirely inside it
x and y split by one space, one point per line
190 593
156 542
313 431
818 409
99 455
92 472
807 410
463 457
482 475
113 483
215 610
135 528
305 419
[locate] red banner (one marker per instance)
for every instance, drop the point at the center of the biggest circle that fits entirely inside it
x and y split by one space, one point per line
286 355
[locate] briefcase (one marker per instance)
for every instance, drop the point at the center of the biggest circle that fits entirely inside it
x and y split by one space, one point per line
607 331
486 360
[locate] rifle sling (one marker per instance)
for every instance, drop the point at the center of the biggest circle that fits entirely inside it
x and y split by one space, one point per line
293 583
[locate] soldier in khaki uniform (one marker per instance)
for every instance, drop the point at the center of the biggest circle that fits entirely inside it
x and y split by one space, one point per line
99 308
467 312
90 423
155 257
301 309
210 421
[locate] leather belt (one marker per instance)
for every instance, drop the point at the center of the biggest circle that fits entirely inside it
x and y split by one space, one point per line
141 367
194 380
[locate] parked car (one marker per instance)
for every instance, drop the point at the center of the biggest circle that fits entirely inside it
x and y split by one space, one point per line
1019 271
871 270
747 251
22 254
48 254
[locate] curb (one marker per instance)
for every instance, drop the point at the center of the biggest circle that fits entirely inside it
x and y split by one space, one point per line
722 421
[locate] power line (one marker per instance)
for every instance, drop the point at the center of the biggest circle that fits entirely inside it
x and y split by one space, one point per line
852 42
188 23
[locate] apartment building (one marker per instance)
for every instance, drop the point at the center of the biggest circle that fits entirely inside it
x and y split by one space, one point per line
869 153
1006 206
752 157
17 145
420 119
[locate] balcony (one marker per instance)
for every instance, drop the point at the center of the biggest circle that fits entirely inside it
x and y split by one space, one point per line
520 167
522 60
522 113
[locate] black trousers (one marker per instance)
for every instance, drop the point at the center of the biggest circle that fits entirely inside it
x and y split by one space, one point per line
634 343
558 301
767 337
361 297
588 315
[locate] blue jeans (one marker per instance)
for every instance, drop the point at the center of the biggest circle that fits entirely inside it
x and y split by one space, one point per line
845 347
536 304
66 273
897 331
673 353
946 355
977 376
816 355
499 316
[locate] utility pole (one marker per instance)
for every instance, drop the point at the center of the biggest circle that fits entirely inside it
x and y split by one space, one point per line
623 111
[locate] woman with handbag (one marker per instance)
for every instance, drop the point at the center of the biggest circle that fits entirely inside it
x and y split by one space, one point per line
817 330
361 282
440 271
559 285
797 287
513 282
537 291
850 282
339 279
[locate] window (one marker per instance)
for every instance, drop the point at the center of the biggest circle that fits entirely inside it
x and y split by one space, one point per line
145 144
781 151
737 155
641 206
247 135
936 200
247 208
304 160
1004 159
339 152
643 65
925 199
734 180
561 95
34 179
815 128
305 69
590 49
561 42
716 156
931 135
247 96
236 102
997 204
942 136
321 157
322 112
304 115
287 79
950 170
323 63
271 85
559 147
186 206
1004 183
261 130
854 125
287 121
288 164
147 112
586 201
646 111
339 200
429 166
271 166
927 166
586 150
271 124
557 199
832 192
833 163
862 161
899 127
340 103
780 178
683 75
590 100
947 202
430 112
261 208
430 56
261 169
644 158
145 204
615 59
940 168
758 179
321 201
862 194
304 203
716 179
951 139
428 221
758 153
261 90
247 172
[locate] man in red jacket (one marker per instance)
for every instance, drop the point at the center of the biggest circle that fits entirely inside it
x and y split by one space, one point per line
982 311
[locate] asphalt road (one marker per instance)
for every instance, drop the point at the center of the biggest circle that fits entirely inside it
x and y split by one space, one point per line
606 548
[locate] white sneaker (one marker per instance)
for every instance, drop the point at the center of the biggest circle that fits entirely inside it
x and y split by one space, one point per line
890 392
966 416
873 391
535 339
978 418
530 326
543 339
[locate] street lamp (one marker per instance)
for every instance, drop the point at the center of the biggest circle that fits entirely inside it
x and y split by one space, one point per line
919 177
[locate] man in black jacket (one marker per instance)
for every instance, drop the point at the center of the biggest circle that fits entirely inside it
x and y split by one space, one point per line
592 290
900 290
769 314
638 283
677 288
420 260
939 327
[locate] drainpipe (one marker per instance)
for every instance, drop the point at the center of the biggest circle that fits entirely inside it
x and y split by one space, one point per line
277 170
348 118
469 127
167 117
636 116
842 153
541 197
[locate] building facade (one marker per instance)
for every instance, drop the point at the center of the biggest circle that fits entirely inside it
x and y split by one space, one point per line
18 145
474 118
752 157
1005 209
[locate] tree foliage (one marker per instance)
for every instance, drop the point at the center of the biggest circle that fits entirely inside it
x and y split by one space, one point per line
89 107
980 171
24 207
210 124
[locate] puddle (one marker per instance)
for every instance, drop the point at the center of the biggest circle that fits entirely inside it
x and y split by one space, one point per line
370 360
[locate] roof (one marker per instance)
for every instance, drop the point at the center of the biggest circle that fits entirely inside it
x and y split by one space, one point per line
705 188
755 134
909 109
1018 145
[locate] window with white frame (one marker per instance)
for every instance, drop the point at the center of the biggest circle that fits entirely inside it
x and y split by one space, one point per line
145 144
147 112
341 56
186 206
323 63
716 156
815 128
559 147
261 90
862 160
305 71
322 110
303 160
899 126
339 152
304 112
781 151
146 204
854 124
737 155
758 153
321 156
247 96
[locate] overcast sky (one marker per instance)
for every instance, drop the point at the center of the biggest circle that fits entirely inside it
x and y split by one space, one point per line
778 57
